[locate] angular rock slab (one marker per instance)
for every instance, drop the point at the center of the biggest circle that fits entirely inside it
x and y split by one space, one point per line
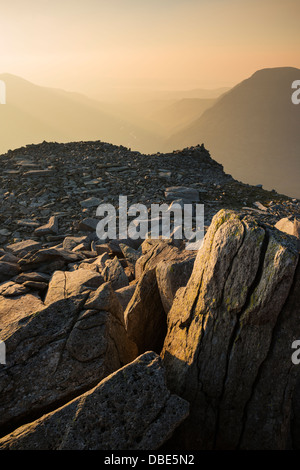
131 409
114 273
56 353
173 274
64 284
230 331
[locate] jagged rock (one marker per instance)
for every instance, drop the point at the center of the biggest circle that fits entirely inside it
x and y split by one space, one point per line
64 284
35 285
100 261
154 251
20 249
50 228
125 294
48 259
90 202
103 248
131 409
227 350
54 354
34 276
173 274
9 258
16 308
114 273
145 315
130 254
12 289
292 227
88 225
8 270
71 242
115 245
106 299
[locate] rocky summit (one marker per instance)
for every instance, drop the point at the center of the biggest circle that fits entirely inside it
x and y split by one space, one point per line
130 344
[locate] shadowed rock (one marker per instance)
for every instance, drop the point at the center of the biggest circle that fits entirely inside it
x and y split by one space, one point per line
56 353
131 409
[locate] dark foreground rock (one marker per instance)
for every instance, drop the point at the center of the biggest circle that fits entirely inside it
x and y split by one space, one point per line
129 410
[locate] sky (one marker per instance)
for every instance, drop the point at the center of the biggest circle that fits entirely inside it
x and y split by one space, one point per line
99 47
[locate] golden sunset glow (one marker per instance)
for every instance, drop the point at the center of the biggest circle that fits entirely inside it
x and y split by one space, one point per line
102 48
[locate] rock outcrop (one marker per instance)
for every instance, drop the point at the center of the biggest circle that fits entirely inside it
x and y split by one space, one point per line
58 352
227 350
76 311
131 409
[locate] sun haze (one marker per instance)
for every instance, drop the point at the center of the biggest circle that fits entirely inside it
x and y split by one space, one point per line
102 48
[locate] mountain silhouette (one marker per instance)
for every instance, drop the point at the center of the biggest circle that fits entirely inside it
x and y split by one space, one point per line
34 113
253 130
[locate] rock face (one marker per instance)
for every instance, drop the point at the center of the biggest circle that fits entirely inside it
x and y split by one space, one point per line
74 309
131 409
145 315
227 350
58 352
64 284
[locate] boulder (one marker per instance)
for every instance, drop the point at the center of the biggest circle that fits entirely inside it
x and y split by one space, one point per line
230 330
64 284
154 251
173 274
8 270
132 409
114 273
125 294
51 228
130 254
71 242
48 260
22 248
14 309
56 353
12 289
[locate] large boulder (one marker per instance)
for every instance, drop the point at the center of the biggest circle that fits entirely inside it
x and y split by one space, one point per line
146 313
131 409
56 353
230 331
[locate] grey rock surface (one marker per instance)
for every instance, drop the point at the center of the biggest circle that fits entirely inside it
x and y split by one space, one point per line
227 350
131 409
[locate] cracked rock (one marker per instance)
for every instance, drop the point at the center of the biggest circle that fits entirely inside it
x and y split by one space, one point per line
132 409
227 349
55 353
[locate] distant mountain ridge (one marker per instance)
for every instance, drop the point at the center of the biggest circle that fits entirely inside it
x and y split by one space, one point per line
33 113
253 130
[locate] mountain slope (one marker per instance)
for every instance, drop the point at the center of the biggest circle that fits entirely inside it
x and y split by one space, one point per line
33 113
253 130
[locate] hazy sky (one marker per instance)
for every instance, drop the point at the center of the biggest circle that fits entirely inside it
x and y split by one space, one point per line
94 46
